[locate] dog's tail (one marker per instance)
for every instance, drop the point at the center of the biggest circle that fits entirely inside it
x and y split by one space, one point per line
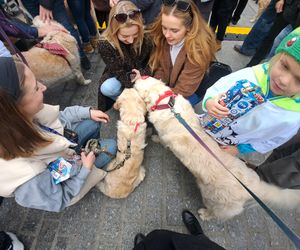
273 195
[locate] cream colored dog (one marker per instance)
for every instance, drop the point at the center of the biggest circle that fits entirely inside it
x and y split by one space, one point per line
222 195
50 68
128 173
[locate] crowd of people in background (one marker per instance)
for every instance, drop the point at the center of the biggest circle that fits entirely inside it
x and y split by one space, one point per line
172 40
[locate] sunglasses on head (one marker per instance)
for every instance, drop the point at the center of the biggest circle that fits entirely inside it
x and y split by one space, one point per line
122 17
180 5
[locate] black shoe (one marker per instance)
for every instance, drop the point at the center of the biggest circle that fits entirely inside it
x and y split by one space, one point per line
234 22
138 238
191 223
85 63
1 199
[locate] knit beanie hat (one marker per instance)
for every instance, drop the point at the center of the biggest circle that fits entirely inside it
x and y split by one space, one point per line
291 45
12 76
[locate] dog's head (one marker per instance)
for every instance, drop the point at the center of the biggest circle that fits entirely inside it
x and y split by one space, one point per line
131 105
149 89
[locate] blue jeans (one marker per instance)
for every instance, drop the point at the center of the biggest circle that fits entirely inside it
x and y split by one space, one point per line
81 10
89 129
111 88
260 30
278 40
59 14
193 99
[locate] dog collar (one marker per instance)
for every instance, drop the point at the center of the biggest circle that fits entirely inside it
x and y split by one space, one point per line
168 93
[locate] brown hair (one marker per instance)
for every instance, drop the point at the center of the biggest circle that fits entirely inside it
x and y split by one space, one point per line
110 34
199 43
18 136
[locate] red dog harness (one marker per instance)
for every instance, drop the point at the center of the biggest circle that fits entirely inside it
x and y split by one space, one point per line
168 93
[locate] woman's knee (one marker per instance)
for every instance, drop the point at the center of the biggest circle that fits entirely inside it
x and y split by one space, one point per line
111 87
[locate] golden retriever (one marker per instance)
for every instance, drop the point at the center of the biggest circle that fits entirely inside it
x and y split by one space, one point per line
222 195
50 68
121 182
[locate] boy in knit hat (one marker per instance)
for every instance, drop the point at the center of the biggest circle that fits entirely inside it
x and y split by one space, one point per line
271 123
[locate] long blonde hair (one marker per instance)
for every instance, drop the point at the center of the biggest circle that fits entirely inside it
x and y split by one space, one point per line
199 43
111 33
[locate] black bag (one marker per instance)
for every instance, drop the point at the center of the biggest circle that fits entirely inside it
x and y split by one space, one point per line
214 73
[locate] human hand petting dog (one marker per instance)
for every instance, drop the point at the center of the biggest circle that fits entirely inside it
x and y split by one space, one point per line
233 150
46 29
99 116
45 15
214 108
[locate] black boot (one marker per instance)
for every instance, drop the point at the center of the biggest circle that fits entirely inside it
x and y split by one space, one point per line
191 223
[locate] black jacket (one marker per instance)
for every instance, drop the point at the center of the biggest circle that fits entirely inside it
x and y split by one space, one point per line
291 12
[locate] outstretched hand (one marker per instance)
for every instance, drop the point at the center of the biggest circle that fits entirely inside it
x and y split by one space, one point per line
99 116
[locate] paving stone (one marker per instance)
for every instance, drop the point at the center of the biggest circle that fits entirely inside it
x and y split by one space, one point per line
47 234
32 222
61 243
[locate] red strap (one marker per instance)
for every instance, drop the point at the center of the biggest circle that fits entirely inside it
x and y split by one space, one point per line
136 127
53 48
167 93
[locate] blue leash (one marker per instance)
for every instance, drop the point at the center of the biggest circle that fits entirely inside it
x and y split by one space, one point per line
289 232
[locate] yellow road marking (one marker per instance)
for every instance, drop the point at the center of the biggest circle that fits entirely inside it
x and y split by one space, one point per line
238 30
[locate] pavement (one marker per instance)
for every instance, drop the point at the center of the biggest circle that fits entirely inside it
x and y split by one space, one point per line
98 222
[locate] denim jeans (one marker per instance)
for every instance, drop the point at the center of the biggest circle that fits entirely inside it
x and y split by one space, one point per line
59 14
111 88
278 40
260 30
193 99
89 129
81 10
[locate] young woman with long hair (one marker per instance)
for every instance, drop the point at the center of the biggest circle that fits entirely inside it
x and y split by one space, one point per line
125 49
184 48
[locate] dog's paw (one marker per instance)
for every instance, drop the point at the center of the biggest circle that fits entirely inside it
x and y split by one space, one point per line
204 214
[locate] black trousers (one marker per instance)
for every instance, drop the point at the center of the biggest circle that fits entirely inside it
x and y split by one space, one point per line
168 240
205 8
221 16
282 168
266 45
239 10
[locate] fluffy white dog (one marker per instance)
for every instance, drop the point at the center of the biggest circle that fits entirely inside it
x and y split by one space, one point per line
222 195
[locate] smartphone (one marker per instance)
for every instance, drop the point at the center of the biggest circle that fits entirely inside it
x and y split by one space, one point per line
130 75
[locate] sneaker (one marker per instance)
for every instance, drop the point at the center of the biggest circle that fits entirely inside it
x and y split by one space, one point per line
88 48
85 63
10 241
